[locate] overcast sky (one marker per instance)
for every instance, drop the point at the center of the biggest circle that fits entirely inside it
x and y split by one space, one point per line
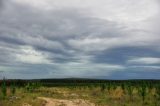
111 39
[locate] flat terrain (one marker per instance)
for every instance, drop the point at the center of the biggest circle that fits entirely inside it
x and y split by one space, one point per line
60 102
82 94
62 96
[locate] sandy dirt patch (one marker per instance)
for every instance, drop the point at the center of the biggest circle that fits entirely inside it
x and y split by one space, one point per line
60 102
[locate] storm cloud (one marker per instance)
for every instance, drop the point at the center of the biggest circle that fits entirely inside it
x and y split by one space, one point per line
88 39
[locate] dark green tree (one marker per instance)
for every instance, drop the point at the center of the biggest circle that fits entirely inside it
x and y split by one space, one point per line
158 92
123 87
143 91
4 89
108 87
103 87
130 90
13 89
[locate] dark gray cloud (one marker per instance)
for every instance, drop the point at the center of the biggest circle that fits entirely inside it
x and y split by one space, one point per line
135 74
120 55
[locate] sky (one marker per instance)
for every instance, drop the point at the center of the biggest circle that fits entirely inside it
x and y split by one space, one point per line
104 39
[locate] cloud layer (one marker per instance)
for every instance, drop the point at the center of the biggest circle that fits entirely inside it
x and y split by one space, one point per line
75 38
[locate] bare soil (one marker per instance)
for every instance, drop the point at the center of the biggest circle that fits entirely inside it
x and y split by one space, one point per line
60 102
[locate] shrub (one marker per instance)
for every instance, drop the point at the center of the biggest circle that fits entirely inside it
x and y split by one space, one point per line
13 89
103 87
30 87
143 91
123 87
130 90
4 89
158 92
109 87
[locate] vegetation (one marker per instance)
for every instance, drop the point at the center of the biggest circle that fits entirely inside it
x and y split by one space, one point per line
143 91
4 89
13 89
99 92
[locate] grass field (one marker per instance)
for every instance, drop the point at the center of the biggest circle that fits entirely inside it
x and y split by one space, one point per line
80 93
